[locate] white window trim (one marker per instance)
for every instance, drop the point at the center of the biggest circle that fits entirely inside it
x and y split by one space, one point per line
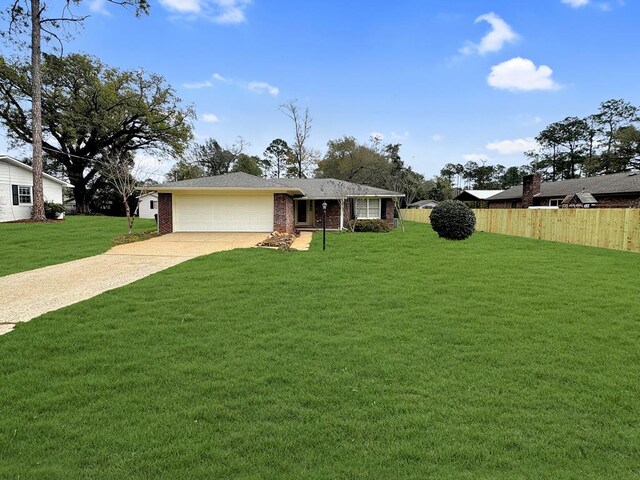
25 204
558 200
367 200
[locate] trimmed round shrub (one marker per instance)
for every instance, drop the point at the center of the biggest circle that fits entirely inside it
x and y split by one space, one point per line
453 220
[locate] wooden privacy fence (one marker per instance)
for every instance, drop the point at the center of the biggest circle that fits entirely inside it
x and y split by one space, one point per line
616 228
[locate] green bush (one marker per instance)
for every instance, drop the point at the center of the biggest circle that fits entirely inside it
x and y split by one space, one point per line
453 220
52 210
376 225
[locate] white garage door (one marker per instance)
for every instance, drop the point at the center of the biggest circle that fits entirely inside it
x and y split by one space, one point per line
207 213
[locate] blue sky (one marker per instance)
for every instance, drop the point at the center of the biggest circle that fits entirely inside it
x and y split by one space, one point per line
449 80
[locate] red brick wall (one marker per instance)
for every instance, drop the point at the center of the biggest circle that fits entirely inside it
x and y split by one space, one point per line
618 201
283 213
165 213
333 213
391 206
530 187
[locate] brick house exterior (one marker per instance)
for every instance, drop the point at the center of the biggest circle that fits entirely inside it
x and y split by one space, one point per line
619 190
333 212
283 213
240 202
165 213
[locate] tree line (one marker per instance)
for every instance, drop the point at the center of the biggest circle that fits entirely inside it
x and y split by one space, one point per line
86 121
604 142
94 119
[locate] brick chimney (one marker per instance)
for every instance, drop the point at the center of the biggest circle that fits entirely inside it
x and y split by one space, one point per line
530 187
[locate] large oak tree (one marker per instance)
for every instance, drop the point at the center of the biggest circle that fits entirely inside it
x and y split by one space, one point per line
90 110
33 17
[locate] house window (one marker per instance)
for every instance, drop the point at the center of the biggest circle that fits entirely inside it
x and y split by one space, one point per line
367 208
24 195
555 202
152 204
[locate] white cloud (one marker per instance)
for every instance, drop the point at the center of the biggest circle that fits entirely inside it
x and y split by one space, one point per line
526 119
231 11
220 78
521 74
576 3
493 41
437 137
256 87
182 6
511 147
399 136
259 87
475 157
210 118
196 85
98 6
217 11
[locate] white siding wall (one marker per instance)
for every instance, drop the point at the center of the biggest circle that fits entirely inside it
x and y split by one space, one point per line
11 175
145 210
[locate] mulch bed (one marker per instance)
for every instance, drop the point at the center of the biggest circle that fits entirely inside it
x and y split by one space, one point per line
281 241
135 237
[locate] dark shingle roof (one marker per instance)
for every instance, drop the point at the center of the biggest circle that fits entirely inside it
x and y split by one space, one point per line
626 182
317 188
229 180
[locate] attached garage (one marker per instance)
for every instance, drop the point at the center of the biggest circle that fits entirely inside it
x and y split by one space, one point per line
223 213
240 202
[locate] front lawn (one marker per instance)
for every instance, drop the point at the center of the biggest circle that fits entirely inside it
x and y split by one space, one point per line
25 246
388 356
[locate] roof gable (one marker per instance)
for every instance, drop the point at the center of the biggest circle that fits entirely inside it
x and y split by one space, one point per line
477 194
17 163
319 188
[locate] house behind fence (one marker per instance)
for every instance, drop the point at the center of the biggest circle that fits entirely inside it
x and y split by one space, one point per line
618 190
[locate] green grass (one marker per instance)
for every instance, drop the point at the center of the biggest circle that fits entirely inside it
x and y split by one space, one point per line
25 246
389 356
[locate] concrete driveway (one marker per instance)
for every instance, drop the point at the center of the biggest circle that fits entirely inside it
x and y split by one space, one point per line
46 289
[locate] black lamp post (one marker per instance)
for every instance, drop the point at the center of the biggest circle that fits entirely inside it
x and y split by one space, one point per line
324 225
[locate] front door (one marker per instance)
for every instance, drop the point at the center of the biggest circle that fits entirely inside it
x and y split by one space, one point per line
304 213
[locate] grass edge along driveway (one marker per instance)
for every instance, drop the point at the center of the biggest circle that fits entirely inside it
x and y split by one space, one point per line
27 246
387 356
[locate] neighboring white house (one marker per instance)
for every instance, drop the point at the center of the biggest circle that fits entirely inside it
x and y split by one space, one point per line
16 189
148 205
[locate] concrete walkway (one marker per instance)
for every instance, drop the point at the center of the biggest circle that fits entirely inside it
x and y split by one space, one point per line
36 292
303 241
